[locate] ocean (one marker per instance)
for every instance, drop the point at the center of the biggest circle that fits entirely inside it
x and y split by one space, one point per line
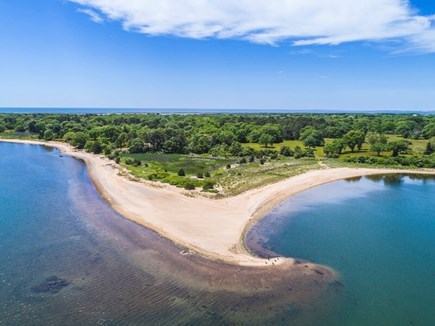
202 111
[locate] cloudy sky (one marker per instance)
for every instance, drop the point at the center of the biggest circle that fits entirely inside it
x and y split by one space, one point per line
253 54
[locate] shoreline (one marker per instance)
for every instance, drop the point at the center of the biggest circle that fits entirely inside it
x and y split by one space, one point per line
214 229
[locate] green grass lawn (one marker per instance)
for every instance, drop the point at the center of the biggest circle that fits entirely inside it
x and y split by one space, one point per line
290 143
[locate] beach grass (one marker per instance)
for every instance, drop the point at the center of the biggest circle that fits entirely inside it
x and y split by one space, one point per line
254 175
230 177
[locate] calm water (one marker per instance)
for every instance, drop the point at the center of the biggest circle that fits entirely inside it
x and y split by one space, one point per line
66 258
378 233
191 111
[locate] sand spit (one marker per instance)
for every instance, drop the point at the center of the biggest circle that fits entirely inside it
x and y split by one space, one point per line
212 228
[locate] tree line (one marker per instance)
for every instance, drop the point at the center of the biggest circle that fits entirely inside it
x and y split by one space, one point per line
223 134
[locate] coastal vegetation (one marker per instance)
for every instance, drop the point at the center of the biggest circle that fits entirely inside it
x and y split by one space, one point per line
230 153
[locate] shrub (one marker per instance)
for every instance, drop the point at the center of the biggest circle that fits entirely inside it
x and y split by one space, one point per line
208 185
286 151
189 186
133 161
298 152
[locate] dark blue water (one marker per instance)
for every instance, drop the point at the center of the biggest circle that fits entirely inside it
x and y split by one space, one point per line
378 233
194 111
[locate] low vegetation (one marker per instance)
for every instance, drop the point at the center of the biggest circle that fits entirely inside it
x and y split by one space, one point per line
228 154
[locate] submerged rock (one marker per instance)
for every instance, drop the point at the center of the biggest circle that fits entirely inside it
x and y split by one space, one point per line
52 284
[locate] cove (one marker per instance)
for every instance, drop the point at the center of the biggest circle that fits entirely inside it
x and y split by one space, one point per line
377 232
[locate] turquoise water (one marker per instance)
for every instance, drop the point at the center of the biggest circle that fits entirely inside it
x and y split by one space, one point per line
66 258
378 233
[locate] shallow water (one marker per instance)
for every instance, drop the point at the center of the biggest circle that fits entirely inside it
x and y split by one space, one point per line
377 232
66 258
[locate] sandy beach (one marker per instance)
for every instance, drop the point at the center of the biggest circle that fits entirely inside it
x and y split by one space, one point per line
209 227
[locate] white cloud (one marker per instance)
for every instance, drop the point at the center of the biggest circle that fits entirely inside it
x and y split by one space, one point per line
302 22
95 17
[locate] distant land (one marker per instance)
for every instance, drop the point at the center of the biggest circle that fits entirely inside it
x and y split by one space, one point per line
206 111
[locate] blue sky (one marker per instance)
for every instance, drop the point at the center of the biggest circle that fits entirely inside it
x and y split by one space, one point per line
132 54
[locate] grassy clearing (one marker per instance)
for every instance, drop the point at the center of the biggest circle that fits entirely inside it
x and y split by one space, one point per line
418 147
18 135
290 143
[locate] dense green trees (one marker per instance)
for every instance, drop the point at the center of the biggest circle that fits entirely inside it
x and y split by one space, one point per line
429 130
78 139
224 135
137 145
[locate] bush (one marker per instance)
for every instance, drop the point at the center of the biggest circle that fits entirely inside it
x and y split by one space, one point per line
228 166
208 185
242 160
298 152
189 186
207 174
133 161
200 175
286 151
181 173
